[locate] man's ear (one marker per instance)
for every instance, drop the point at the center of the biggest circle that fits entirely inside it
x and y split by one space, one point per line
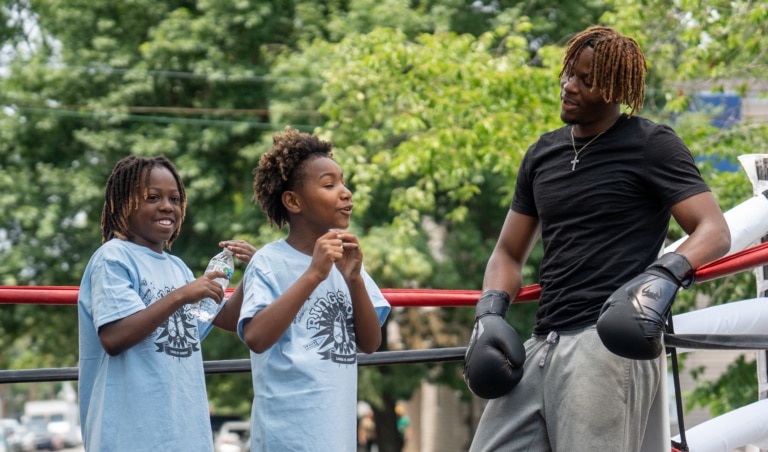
291 201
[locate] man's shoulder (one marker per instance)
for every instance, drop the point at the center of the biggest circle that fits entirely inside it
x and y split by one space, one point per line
645 124
555 134
551 138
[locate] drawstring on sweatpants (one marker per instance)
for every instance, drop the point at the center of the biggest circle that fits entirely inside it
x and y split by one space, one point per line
551 340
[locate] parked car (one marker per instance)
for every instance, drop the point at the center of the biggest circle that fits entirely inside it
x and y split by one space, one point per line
217 420
61 416
234 436
4 447
38 437
14 433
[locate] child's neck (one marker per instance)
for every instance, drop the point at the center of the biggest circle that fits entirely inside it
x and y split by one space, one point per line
303 243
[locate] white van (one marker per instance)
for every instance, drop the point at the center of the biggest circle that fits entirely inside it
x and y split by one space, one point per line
61 416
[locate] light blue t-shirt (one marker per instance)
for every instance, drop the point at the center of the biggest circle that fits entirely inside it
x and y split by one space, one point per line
305 386
152 396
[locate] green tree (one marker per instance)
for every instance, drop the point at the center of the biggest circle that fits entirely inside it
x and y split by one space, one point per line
422 129
426 123
694 46
430 117
86 83
97 81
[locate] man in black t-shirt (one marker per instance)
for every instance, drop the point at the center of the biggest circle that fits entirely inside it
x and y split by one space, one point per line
600 192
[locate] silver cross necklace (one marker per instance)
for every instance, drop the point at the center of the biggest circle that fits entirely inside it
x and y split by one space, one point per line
573 142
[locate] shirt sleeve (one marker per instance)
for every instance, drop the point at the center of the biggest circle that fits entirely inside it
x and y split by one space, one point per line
380 303
671 169
114 291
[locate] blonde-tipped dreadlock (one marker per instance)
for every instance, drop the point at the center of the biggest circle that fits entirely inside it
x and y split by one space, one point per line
618 65
280 170
125 190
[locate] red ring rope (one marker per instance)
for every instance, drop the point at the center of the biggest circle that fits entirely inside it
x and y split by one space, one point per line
728 265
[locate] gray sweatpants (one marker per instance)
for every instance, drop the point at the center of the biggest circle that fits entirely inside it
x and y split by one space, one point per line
575 396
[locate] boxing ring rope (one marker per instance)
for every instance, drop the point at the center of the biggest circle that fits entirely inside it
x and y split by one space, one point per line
705 434
746 259
230 366
728 265
707 328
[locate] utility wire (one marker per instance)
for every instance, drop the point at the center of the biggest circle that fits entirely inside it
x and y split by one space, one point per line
194 75
160 119
175 110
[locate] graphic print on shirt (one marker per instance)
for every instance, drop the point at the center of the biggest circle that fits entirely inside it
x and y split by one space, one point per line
331 317
177 335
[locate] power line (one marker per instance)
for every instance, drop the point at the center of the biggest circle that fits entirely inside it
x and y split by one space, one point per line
217 111
180 110
158 119
194 75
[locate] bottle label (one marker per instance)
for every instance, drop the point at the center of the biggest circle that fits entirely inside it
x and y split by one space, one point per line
226 270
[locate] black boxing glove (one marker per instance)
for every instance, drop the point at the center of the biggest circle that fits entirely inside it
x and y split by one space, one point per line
493 363
631 323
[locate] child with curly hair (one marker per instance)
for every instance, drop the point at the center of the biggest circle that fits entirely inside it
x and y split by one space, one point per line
309 303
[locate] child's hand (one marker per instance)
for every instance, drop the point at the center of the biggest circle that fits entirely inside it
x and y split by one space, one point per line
327 251
351 259
204 287
338 247
240 249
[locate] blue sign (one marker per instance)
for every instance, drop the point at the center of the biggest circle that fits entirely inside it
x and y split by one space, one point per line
726 107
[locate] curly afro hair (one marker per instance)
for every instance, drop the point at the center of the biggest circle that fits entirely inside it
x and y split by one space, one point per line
281 170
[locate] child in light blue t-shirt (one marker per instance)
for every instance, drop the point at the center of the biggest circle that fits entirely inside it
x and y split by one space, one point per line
309 304
142 382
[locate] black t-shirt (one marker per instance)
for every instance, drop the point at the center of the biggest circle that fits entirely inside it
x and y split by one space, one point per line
604 222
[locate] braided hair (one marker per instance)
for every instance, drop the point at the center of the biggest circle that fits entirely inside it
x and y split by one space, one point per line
618 65
126 188
281 168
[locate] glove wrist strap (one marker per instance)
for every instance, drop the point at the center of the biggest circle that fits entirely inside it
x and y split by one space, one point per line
494 302
678 266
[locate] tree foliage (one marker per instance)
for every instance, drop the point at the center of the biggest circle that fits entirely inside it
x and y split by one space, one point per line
430 104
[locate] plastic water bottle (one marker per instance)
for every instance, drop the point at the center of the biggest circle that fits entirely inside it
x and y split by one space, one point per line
206 309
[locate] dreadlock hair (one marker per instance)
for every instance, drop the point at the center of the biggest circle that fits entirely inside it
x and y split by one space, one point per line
126 188
618 65
281 170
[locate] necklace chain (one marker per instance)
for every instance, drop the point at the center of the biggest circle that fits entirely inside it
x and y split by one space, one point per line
573 143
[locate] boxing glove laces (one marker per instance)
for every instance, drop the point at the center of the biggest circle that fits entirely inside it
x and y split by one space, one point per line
493 363
631 322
